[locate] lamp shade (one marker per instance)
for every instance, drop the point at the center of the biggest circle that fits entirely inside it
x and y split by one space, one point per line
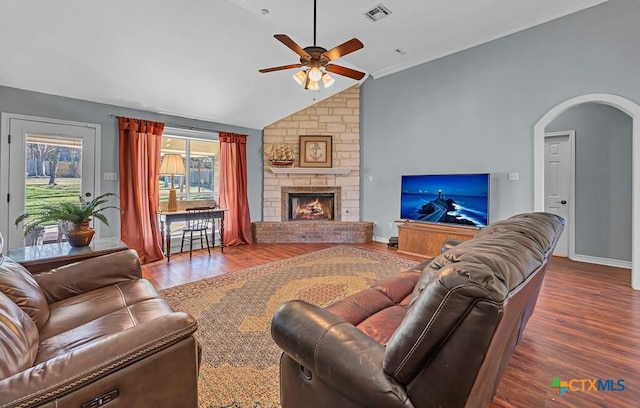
172 164
327 80
300 77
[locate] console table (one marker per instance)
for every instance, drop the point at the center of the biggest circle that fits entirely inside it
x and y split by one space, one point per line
425 239
168 217
43 257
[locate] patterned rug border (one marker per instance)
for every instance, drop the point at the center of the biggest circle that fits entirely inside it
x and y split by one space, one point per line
181 292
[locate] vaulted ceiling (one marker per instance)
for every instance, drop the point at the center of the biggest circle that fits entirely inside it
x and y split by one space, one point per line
200 58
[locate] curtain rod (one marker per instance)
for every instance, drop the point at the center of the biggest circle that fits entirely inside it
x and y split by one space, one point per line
175 125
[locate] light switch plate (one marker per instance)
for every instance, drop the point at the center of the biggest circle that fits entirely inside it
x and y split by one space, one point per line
514 176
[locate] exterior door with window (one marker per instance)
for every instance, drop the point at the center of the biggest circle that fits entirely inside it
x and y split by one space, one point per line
46 162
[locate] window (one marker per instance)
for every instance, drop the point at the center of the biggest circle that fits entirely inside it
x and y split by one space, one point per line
201 154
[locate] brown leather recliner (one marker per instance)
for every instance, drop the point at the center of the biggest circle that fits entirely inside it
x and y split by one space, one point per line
440 335
92 333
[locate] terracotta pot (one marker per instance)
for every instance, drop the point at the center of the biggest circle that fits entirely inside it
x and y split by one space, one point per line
80 234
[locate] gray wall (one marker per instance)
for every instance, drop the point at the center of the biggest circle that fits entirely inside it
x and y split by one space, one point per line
56 107
474 111
603 179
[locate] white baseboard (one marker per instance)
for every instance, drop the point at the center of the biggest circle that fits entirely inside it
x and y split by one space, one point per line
602 261
384 240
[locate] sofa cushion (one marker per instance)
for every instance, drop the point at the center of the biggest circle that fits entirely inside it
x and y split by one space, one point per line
18 339
20 286
102 327
86 307
378 311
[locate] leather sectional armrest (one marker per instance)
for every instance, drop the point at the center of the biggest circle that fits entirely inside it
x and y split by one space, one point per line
73 370
337 352
84 276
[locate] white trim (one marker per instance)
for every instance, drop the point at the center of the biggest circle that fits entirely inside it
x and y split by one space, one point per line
572 188
630 108
4 176
191 133
603 261
384 240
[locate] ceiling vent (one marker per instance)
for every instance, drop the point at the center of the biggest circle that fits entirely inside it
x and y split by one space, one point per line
377 13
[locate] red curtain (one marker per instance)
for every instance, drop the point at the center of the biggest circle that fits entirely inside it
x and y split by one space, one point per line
140 145
233 188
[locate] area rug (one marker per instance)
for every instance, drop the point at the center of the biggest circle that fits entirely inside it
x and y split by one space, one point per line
239 358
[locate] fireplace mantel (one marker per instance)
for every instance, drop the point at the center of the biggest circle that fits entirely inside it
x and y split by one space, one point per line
309 170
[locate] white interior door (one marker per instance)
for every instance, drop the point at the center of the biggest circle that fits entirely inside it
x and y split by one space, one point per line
558 186
46 160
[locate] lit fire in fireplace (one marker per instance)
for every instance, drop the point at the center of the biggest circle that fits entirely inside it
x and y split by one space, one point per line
313 210
316 207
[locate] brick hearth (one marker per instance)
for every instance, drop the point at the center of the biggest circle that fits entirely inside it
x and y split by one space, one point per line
312 232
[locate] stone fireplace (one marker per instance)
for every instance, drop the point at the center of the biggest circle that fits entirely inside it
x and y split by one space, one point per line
297 203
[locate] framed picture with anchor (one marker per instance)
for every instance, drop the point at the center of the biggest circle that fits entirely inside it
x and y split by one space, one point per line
316 151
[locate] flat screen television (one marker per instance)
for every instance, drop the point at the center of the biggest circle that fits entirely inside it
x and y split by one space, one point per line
460 199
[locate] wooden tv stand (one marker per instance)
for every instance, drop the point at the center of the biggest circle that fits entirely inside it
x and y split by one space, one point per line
425 239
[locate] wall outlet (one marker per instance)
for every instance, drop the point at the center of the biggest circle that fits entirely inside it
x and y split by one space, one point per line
390 225
110 176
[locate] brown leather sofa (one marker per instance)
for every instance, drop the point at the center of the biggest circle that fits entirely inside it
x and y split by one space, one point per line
440 335
91 333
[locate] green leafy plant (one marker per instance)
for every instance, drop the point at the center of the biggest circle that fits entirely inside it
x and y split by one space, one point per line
74 213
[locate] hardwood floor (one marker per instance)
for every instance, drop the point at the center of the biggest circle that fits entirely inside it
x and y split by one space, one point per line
586 325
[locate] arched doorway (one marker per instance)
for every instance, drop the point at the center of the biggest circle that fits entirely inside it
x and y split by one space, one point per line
626 106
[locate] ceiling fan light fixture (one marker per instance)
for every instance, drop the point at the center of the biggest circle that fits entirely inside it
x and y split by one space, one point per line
300 76
315 60
327 80
312 85
315 74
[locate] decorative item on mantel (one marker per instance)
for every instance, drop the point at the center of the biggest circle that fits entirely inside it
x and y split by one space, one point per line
77 214
316 151
281 155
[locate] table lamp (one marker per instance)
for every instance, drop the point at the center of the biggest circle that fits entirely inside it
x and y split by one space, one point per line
172 164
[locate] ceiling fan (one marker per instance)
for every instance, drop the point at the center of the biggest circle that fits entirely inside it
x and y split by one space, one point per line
316 61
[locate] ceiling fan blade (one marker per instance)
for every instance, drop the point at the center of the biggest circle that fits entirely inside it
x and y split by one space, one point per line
280 68
291 44
344 71
343 49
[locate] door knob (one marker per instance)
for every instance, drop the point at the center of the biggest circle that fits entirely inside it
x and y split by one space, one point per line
563 202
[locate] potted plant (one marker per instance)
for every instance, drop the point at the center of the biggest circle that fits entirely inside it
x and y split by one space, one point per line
77 214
